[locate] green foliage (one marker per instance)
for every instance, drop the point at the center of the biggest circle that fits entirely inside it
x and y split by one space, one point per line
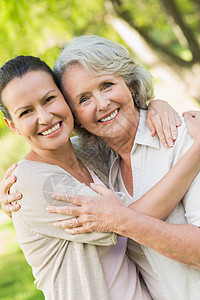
13 148
169 26
17 281
42 27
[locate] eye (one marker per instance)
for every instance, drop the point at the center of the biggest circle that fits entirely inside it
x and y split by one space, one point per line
49 99
83 99
108 85
25 113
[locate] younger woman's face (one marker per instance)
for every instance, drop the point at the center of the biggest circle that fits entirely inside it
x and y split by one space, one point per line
38 110
102 104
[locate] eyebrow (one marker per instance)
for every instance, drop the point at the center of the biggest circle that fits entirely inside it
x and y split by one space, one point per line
27 106
99 84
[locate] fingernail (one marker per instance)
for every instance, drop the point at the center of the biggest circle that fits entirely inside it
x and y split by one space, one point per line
55 196
18 195
166 145
174 137
12 178
171 144
48 208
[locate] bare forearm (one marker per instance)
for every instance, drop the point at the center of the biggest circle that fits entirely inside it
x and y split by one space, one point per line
164 196
177 242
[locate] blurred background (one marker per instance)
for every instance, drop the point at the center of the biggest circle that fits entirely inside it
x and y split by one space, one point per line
163 35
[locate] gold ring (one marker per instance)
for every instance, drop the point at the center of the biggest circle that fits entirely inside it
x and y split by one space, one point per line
77 222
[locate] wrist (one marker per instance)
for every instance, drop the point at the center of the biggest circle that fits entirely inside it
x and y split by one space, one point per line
196 145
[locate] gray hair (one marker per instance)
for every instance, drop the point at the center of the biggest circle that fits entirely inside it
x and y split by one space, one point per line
103 56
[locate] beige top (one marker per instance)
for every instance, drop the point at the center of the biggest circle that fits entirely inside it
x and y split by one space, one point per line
84 266
64 266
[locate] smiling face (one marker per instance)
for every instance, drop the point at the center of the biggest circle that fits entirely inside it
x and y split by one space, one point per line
38 110
103 104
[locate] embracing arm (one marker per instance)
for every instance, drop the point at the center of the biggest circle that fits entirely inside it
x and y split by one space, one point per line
162 120
161 199
178 242
37 183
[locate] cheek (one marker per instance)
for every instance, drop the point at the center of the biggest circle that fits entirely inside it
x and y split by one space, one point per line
86 117
27 127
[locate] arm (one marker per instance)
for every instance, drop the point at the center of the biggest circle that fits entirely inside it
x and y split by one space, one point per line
161 119
37 195
6 198
178 242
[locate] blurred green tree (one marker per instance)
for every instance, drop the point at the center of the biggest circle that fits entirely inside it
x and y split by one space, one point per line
170 27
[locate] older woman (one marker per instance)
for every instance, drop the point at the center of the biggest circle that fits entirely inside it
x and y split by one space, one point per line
86 266
108 101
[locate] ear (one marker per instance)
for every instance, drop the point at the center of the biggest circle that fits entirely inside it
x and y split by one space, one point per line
11 125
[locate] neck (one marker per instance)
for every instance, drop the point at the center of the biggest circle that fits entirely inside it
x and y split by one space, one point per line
63 157
123 143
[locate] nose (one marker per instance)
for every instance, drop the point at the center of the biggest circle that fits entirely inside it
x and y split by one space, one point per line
102 102
44 116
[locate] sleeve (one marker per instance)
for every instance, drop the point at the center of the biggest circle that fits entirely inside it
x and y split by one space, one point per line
191 200
37 185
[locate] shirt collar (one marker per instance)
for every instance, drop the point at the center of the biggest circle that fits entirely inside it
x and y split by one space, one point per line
143 135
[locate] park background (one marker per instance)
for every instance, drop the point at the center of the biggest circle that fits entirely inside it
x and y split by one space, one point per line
163 35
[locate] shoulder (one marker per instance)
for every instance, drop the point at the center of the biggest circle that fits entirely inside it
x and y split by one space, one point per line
184 139
36 178
27 169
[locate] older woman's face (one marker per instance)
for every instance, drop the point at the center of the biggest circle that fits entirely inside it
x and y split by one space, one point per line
38 110
102 104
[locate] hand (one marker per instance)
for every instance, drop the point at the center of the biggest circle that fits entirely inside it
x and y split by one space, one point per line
5 197
192 119
97 213
162 120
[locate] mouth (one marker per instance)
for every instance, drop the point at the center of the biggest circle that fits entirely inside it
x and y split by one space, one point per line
110 116
51 130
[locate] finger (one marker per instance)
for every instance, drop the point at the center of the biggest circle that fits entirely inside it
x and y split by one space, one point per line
69 223
13 197
178 120
167 132
151 127
6 183
8 208
76 230
100 189
173 128
192 113
75 199
9 171
65 210
159 130
188 117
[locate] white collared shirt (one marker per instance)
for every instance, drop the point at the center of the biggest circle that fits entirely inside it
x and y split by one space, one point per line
150 162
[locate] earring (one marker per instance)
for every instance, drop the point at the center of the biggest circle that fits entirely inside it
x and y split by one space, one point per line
81 126
133 96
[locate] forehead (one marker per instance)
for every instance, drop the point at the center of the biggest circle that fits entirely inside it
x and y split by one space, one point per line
76 76
33 83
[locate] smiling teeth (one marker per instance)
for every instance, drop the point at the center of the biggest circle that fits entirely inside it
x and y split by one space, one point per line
112 116
51 130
